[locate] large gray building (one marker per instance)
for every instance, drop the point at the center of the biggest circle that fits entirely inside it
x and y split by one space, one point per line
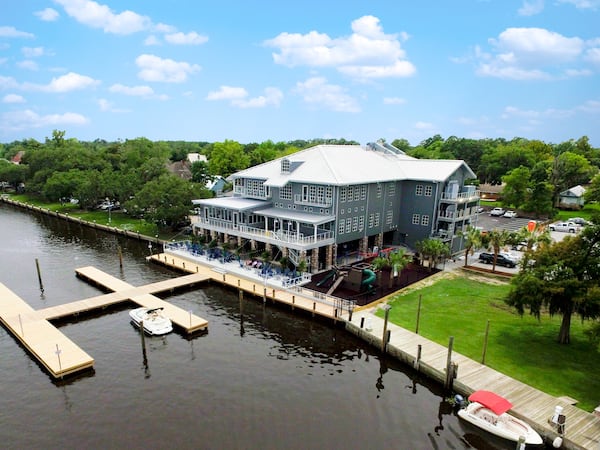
322 202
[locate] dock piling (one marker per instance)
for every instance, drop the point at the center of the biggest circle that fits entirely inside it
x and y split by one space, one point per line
39 274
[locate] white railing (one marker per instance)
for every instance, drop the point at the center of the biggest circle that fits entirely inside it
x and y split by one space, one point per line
325 203
274 237
461 197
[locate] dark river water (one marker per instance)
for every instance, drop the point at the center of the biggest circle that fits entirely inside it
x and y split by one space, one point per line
270 380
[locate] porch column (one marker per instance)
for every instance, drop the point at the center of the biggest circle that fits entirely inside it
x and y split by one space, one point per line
252 244
329 256
334 255
314 260
315 232
363 245
213 235
268 247
226 237
239 241
284 252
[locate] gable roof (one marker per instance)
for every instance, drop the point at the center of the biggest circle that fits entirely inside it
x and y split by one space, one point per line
351 164
575 191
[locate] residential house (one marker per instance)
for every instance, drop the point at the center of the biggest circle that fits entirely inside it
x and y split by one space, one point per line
572 198
323 202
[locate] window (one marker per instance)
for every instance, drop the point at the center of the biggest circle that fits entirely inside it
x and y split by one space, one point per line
363 192
419 189
285 165
391 190
378 191
356 193
355 224
341 227
424 220
389 216
371 220
416 219
342 211
348 225
428 191
285 193
376 219
361 223
343 194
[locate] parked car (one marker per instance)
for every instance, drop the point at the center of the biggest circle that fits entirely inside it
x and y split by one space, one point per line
501 260
565 227
497 212
480 209
578 221
510 214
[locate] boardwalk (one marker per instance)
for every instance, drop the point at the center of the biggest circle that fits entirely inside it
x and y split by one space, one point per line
530 404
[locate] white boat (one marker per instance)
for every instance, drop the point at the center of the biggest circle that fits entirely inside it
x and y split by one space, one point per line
155 324
488 411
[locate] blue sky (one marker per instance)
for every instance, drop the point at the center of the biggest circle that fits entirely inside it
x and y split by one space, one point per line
284 70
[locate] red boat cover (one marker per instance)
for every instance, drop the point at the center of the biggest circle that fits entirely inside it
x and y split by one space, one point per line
492 401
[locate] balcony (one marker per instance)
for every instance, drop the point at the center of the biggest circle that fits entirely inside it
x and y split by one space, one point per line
461 197
317 202
303 240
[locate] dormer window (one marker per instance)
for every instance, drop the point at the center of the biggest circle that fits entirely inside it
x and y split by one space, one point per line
285 165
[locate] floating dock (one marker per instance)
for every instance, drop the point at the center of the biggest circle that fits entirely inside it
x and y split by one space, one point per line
55 351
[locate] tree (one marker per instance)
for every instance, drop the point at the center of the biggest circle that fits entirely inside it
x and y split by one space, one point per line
564 278
570 169
200 173
592 194
432 249
399 259
497 239
472 240
226 158
516 187
540 236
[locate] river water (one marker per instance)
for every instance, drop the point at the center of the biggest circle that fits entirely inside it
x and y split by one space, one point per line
271 379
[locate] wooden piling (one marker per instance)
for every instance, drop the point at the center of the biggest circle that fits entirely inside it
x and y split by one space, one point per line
449 374
418 315
120 252
385 325
39 274
485 341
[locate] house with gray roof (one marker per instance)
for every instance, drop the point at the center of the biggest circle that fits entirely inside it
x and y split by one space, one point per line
320 203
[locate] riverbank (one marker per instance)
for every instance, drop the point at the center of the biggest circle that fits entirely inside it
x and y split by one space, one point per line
374 333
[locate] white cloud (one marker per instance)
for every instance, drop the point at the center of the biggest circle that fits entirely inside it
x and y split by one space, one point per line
154 68
394 101
95 15
367 53
531 7
583 4
592 55
27 64
136 91
70 82
8 83
13 98
529 53
151 40
238 96
191 38
316 91
107 106
228 93
423 126
47 15
32 52
27 119
12 32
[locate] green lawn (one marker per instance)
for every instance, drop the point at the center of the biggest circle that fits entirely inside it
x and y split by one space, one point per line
118 219
521 347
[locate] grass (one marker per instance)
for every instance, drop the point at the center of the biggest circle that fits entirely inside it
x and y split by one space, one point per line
521 347
118 219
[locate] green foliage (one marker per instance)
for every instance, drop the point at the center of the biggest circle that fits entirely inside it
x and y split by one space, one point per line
523 348
226 158
433 250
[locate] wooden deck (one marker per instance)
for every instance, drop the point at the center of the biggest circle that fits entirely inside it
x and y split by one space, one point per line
530 404
55 351
287 296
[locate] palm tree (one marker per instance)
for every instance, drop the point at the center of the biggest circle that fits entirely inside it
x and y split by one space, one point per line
472 240
539 236
498 239
399 259
432 249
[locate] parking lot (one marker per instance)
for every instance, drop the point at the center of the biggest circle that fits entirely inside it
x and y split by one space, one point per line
487 223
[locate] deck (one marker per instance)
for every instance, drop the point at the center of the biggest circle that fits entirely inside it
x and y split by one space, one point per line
55 351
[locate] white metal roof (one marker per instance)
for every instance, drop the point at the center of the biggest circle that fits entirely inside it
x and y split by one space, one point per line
351 164
291 214
237 203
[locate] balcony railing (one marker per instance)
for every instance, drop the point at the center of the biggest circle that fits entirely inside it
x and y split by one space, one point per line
319 203
280 237
460 197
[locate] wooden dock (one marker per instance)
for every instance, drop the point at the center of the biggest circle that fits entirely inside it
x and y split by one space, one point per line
55 351
529 404
294 297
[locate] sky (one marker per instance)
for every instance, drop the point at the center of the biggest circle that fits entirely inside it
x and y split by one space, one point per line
281 70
